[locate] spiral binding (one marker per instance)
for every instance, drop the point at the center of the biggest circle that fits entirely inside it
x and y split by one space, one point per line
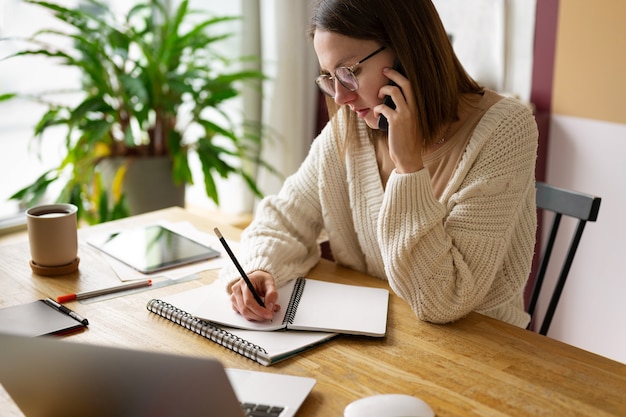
207 330
296 295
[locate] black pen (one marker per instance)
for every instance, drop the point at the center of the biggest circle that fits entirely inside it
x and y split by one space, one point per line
66 310
239 268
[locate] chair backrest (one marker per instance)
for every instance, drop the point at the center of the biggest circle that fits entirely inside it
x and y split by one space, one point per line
562 202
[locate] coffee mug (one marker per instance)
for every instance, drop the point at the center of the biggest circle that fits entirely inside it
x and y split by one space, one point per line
53 238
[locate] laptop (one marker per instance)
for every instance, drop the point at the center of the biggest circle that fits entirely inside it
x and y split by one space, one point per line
48 377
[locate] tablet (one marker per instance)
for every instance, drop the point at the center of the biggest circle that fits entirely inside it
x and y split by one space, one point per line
152 248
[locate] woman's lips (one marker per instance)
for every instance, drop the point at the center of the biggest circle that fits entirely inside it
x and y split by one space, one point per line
362 112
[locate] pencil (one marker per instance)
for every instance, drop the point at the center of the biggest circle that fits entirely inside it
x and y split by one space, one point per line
239 268
95 293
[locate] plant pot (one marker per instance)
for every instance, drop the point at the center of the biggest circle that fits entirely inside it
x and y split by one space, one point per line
147 184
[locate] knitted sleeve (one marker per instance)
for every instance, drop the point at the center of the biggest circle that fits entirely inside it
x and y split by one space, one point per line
473 250
282 239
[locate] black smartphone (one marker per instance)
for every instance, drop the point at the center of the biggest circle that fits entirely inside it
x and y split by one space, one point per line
383 124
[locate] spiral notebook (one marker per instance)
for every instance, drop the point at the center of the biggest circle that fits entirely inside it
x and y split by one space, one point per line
312 312
266 348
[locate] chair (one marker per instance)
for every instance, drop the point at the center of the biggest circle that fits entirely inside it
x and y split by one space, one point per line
562 202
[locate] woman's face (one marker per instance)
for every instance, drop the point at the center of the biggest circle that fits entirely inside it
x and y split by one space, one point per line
334 50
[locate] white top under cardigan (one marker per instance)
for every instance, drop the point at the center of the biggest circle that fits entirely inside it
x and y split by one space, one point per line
471 250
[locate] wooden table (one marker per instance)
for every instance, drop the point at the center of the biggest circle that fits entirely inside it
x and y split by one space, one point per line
474 367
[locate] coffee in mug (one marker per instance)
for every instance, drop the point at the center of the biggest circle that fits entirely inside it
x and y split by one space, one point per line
53 238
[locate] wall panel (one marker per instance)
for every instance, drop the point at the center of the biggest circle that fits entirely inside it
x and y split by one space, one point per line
590 65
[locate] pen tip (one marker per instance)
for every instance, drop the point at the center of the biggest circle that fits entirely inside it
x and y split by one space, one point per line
217 232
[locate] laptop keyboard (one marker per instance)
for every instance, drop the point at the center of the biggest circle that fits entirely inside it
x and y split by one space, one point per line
261 410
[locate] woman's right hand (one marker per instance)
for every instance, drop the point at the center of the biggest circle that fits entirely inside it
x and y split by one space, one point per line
405 139
243 300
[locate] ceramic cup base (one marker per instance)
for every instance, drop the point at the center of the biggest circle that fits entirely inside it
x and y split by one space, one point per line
55 270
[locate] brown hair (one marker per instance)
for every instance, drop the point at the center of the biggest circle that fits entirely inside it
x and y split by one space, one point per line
413 30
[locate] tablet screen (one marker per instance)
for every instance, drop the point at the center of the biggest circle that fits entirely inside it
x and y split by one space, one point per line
153 248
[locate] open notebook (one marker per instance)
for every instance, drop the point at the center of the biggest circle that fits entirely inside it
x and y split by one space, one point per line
318 310
48 377
307 304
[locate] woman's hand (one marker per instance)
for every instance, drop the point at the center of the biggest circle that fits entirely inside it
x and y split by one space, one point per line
244 303
405 140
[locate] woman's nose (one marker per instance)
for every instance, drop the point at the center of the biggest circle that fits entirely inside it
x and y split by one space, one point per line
342 94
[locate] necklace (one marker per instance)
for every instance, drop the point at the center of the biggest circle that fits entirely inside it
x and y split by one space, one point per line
445 136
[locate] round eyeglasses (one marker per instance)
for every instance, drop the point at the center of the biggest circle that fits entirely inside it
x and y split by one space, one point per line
345 76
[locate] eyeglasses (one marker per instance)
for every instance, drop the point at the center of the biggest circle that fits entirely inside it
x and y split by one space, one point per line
345 76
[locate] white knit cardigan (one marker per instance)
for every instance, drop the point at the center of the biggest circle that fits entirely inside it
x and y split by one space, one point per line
471 250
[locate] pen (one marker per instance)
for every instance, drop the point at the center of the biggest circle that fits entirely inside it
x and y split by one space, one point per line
66 310
239 268
95 293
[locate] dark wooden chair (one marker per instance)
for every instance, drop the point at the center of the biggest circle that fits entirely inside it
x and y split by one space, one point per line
561 202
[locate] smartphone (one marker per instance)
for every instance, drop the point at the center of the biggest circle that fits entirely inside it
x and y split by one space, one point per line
383 124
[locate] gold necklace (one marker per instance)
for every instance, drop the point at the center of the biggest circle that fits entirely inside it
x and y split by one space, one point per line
444 137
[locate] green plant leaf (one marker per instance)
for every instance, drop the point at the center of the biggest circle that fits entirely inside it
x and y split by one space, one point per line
49 118
32 194
8 96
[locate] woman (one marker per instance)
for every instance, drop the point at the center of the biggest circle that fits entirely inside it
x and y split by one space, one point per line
441 204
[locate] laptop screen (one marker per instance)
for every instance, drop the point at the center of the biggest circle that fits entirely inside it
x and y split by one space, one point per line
48 377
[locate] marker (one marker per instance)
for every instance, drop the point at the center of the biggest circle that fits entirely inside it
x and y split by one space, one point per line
66 310
96 293
239 268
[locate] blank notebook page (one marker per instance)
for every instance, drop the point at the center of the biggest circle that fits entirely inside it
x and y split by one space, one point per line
344 308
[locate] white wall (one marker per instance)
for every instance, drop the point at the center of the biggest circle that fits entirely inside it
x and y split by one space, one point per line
588 155
493 40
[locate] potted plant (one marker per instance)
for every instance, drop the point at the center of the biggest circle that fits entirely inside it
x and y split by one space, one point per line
153 88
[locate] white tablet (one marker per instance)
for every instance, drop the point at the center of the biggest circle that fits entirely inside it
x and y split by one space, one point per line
152 248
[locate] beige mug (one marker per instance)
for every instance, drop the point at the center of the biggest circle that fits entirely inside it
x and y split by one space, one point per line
53 238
